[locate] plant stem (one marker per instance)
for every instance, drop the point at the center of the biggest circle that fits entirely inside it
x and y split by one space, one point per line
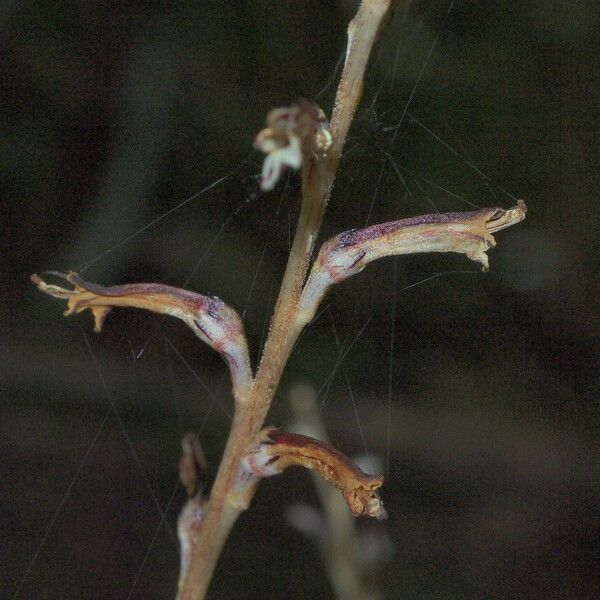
226 502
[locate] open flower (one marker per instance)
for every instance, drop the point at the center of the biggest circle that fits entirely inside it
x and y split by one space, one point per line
291 134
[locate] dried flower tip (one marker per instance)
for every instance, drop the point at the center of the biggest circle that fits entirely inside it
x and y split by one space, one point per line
208 316
291 134
278 450
348 253
192 464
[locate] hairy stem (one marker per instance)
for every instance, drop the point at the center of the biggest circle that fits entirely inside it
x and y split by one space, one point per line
226 501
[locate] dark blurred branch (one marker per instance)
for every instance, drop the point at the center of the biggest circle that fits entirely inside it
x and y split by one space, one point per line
337 534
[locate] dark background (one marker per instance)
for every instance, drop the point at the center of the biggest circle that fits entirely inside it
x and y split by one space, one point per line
115 112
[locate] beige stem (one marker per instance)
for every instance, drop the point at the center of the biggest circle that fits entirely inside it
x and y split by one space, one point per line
225 502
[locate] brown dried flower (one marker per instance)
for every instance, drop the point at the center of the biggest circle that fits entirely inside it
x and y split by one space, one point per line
208 316
348 253
278 450
192 464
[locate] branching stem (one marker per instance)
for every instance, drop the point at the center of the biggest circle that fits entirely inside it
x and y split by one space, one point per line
226 501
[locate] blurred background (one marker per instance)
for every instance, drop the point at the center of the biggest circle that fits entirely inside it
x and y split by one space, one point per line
126 154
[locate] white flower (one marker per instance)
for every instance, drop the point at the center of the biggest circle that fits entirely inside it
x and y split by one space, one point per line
277 159
292 134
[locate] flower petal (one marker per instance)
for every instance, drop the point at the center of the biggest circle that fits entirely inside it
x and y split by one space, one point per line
292 133
208 316
348 253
